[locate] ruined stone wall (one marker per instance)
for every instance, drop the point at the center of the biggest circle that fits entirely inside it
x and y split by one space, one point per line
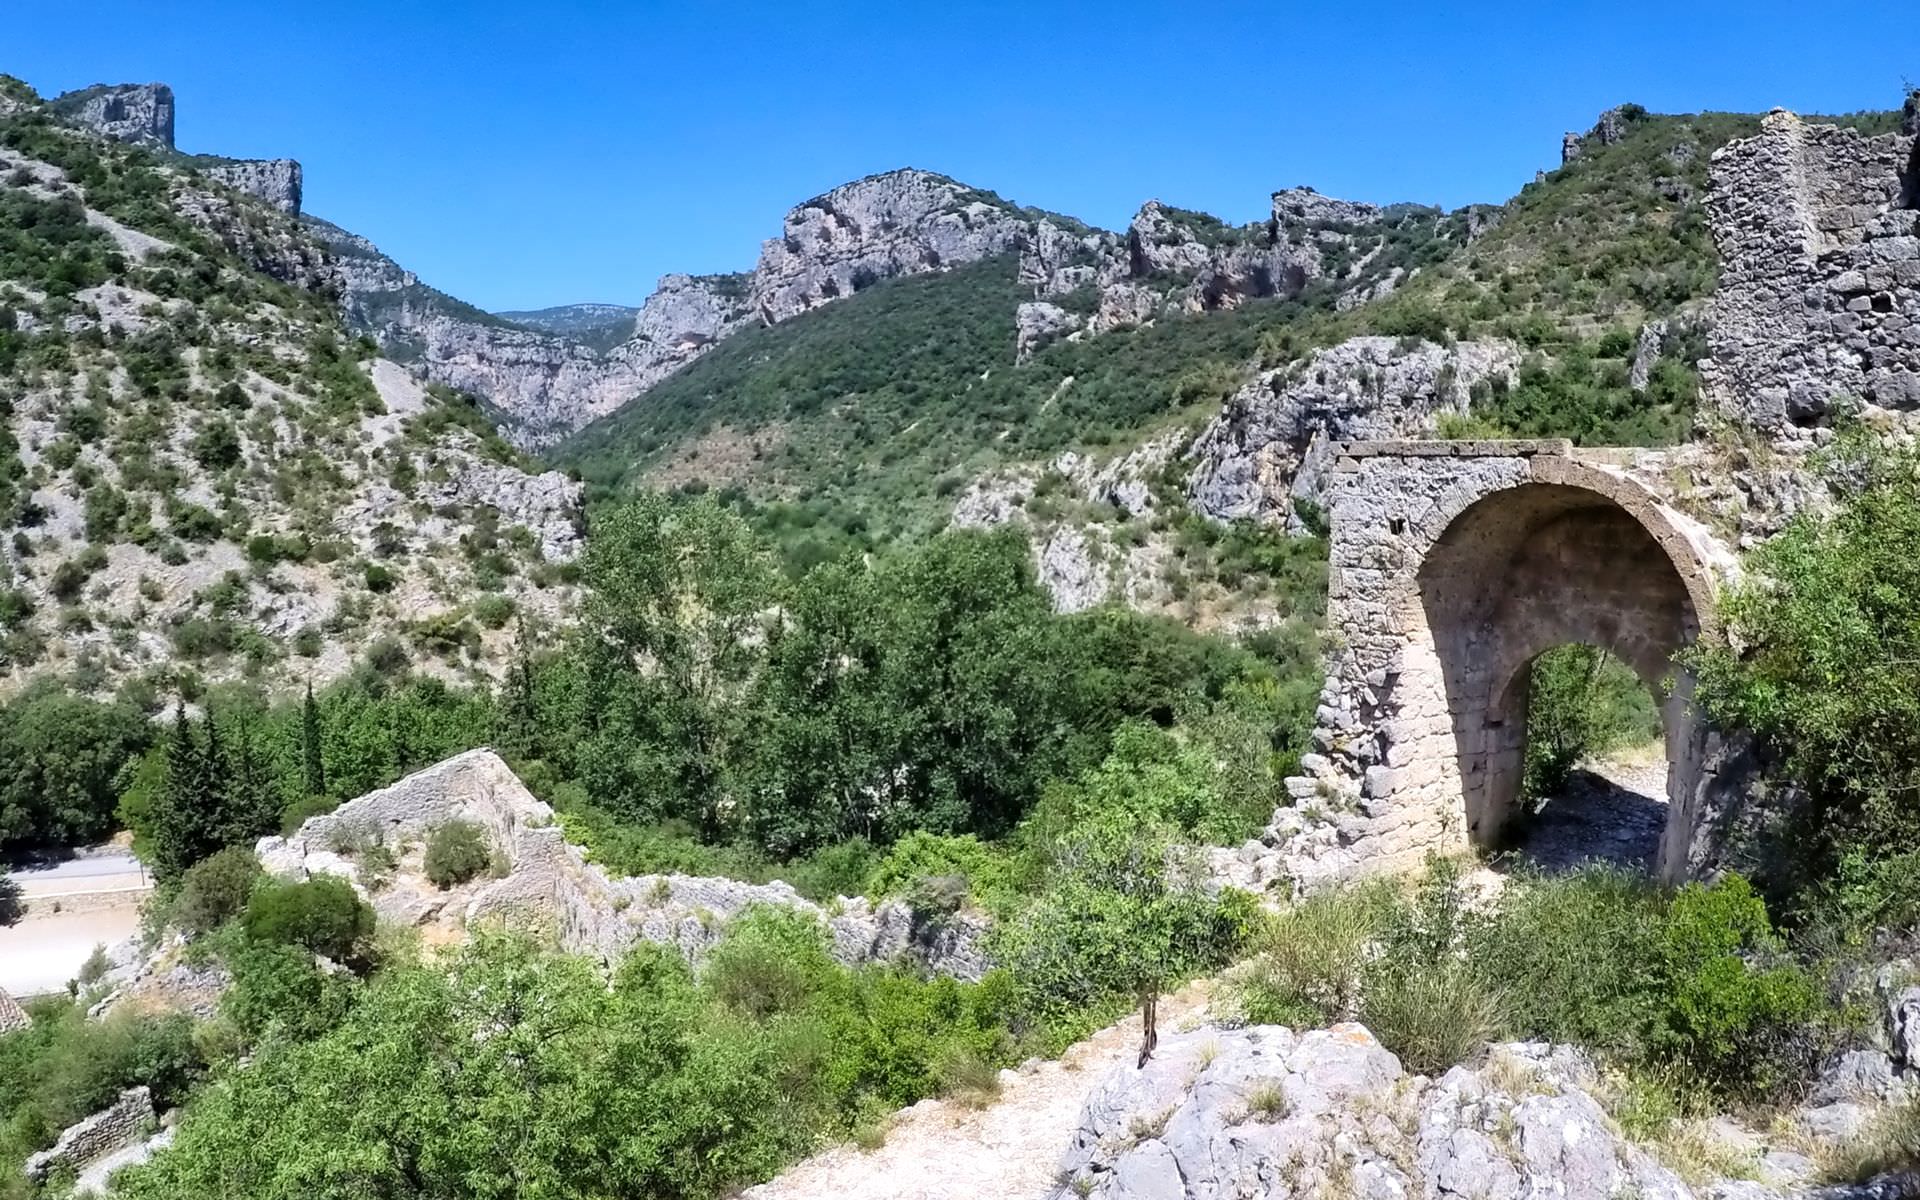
12 1016
1454 564
1818 229
549 887
99 1135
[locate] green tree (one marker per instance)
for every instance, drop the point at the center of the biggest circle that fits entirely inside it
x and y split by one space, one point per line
313 761
679 595
1820 656
1123 910
62 762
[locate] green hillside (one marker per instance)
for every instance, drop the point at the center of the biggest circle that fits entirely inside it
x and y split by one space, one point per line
870 411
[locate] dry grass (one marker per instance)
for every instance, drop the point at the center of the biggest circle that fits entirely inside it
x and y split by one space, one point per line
1890 1143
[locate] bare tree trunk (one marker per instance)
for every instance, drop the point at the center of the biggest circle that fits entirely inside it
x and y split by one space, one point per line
1149 1022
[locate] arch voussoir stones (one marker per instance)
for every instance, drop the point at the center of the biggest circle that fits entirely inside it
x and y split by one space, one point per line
1453 566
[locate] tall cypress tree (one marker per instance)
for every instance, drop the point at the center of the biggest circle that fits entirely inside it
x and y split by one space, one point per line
517 731
178 835
251 808
316 767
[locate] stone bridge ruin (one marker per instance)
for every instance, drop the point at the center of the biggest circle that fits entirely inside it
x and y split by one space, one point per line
1454 566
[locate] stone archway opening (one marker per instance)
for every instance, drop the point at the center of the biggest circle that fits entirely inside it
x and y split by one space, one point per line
1529 568
1595 772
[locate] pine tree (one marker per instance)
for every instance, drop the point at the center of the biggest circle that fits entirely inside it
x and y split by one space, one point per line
316 767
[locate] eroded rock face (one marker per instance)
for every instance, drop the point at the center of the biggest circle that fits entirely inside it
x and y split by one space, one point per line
140 113
1819 297
1171 260
1608 130
1263 1111
900 223
1272 442
1037 323
904 222
275 180
550 887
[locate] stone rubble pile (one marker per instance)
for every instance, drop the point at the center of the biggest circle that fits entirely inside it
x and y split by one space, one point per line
549 886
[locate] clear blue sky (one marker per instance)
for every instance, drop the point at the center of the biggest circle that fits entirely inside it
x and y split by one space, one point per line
522 154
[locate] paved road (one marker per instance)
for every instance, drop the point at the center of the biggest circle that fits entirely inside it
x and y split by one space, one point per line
107 872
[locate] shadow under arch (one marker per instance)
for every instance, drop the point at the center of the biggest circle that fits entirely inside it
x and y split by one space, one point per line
1582 556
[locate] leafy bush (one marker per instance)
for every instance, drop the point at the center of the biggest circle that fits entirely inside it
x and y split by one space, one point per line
1821 656
280 988
661 1084
1120 913
983 870
456 852
216 889
64 1067
322 914
1697 983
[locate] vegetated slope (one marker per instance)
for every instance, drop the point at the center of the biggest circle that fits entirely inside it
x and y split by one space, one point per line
878 404
875 406
201 471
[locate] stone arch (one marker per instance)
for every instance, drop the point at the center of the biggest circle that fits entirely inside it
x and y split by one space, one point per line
1572 555
1453 566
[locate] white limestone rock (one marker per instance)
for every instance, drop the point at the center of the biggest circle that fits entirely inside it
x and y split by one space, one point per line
1271 443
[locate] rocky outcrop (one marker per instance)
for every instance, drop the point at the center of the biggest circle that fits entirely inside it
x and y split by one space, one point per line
140 113
905 222
1609 130
1272 444
112 1129
1037 323
1081 564
275 180
1818 229
1263 1111
547 884
12 1016
1173 260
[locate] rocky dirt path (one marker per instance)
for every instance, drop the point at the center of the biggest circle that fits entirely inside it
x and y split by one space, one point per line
1613 811
1009 1150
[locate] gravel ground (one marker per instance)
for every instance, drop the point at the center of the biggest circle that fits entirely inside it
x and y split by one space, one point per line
1009 1150
41 953
1612 811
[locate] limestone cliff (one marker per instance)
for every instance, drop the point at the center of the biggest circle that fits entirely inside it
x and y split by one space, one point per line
547 385
1273 442
275 180
139 113
1174 260
904 222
